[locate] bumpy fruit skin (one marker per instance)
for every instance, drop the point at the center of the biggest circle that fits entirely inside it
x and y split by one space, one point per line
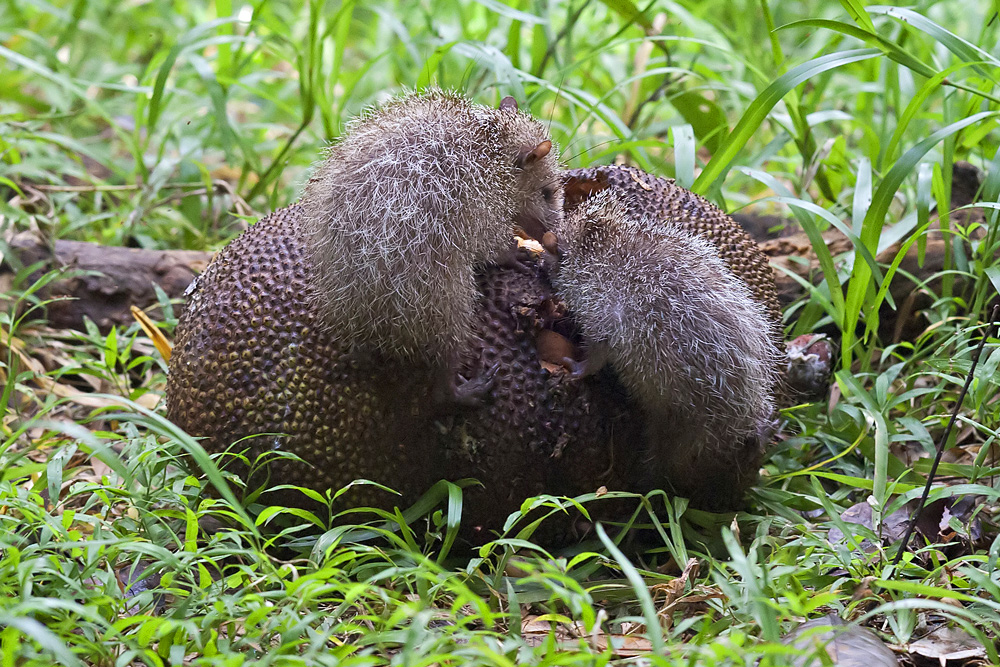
541 431
251 358
661 198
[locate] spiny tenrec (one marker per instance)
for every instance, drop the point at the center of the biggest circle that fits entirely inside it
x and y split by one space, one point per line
254 355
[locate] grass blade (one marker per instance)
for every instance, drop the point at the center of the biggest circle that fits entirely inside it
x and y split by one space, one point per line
758 110
965 50
874 221
653 628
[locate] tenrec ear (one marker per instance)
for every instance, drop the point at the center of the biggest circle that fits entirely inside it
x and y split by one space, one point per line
528 157
508 104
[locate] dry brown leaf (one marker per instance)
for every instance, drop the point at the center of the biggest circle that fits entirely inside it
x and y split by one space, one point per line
946 644
674 589
99 469
675 597
864 589
536 629
163 345
625 646
149 400
46 383
893 526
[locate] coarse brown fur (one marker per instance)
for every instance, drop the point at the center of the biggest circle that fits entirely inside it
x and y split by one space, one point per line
684 335
661 199
418 193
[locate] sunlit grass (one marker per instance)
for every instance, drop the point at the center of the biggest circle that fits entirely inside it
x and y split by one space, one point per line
165 125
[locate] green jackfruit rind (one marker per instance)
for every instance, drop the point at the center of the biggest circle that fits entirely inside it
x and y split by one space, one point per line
250 358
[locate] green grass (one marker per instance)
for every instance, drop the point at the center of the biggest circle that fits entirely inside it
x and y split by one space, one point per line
166 124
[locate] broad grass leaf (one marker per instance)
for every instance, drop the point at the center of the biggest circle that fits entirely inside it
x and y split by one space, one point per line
432 64
684 154
856 10
629 12
875 219
965 50
192 40
705 116
37 632
511 13
640 588
758 110
924 173
887 47
851 386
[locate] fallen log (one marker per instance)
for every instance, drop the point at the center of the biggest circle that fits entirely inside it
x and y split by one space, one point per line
101 282
911 288
915 284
